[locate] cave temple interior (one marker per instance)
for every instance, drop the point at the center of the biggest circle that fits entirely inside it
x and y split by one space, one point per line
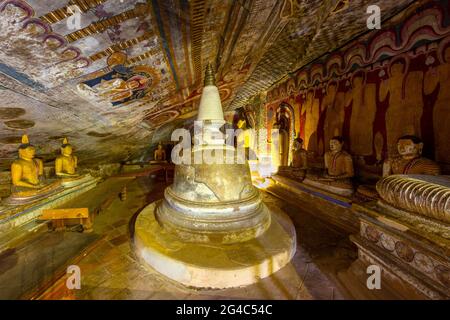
224 149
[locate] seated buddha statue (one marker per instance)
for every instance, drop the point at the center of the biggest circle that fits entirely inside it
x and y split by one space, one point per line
159 156
27 175
410 160
66 163
298 166
339 170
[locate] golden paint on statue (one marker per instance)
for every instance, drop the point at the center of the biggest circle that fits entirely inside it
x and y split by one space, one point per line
410 160
245 139
66 164
339 170
27 176
159 156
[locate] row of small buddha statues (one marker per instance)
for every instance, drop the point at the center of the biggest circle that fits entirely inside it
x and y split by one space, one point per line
339 169
27 172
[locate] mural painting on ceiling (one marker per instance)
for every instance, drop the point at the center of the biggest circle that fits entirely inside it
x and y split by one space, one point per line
54 60
121 84
179 106
376 90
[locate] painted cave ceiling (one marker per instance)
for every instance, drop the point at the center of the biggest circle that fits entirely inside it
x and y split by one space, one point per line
116 76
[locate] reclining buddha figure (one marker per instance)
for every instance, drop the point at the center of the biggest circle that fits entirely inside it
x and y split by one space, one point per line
339 170
27 175
66 164
410 160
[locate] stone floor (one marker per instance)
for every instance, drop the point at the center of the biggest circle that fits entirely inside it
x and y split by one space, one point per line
109 269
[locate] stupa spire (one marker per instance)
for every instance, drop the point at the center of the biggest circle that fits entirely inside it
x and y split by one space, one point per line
210 106
210 79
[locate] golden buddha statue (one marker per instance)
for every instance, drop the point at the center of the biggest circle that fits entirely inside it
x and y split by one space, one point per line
410 160
339 170
66 163
27 170
27 175
159 156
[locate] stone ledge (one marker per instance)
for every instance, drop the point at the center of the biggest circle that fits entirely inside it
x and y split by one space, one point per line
412 251
331 208
14 216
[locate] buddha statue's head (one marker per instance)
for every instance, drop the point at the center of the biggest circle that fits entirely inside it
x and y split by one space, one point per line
160 146
409 146
26 150
66 148
241 123
298 143
336 144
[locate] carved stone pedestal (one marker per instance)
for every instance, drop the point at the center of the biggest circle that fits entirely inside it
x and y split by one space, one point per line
412 251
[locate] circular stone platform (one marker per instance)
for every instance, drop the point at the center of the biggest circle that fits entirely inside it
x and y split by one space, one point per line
214 265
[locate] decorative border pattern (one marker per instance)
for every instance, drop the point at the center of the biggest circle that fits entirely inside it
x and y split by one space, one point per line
410 255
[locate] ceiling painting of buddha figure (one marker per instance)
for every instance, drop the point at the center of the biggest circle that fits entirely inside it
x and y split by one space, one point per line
122 84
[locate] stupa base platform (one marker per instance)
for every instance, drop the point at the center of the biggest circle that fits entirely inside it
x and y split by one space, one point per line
213 265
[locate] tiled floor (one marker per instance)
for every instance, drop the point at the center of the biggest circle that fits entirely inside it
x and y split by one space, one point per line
111 271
